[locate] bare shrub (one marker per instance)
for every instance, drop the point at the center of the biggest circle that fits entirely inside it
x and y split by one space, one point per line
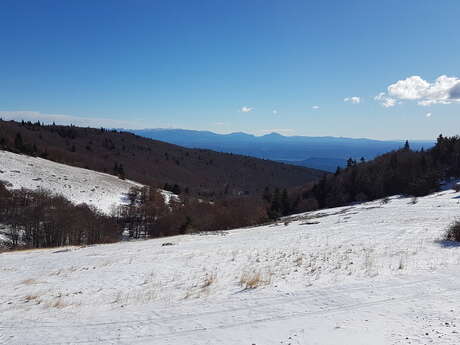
453 232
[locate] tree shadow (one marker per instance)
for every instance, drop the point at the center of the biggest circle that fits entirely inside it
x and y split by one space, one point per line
447 244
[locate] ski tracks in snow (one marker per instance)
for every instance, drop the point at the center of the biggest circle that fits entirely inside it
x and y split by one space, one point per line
244 319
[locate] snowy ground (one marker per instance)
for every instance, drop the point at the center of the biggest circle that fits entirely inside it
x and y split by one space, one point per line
76 184
366 274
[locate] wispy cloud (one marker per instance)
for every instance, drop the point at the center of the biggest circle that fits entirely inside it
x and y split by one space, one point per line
275 112
62 119
246 109
384 100
428 114
354 99
444 90
315 107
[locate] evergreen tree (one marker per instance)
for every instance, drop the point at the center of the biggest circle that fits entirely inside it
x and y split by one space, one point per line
18 143
121 172
407 146
337 171
274 211
285 206
350 162
176 189
267 196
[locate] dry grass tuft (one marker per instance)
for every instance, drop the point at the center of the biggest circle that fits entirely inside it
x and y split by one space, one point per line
202 288
57 303
29 282
254 279
30 298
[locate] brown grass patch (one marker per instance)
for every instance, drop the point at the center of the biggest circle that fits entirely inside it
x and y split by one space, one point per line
253 279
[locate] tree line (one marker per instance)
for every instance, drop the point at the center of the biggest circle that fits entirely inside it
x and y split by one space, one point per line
403 171
39 219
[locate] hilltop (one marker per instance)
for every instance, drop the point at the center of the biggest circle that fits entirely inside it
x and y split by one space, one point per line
77 185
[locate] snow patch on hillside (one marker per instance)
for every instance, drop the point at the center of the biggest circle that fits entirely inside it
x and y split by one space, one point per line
169 196
374 273
4 238
76 184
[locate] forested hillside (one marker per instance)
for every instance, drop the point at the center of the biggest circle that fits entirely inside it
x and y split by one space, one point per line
403 171
154 163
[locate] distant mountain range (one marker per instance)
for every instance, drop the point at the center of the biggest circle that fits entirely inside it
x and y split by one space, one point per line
325 153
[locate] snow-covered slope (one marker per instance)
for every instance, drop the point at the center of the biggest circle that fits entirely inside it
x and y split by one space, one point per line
372 273
76 184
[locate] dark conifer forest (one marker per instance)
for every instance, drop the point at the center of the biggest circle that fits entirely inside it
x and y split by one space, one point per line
403 171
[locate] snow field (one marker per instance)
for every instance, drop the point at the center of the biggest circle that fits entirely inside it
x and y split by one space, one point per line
76 184
370 273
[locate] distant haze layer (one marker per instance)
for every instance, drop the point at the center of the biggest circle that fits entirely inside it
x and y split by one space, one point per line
325 153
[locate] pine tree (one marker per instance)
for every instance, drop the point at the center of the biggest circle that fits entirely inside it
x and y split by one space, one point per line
176 189
267 196
337 171
407 146
350 162
18 143
121 172
285 206
274 211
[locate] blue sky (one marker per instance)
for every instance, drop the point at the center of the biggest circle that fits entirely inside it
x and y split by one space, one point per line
253 66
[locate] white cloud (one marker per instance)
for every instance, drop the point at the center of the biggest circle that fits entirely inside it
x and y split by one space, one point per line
275 112
62 119
389 102
315 107
384 100
246 109
444 90
409 88
354 99
428 114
